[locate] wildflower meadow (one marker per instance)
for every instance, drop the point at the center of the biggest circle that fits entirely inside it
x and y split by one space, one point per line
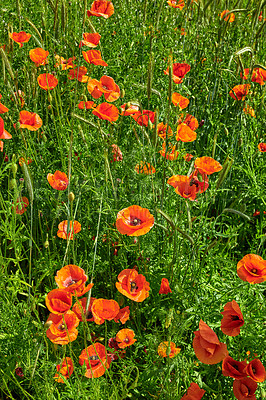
133 200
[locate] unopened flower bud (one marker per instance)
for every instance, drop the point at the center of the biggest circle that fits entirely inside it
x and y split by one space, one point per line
71 197
14 169
12 184
46 244
50 97
150 126
49 107
122 93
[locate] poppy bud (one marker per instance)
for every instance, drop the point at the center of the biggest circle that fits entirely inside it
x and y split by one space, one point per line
48 324
50 97
71 197
150 125
49 107
46 243
14 169
12 184
122 93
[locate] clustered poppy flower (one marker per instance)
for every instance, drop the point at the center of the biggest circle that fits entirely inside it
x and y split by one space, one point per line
258 75
194 392
94 57
125 338
3 133
180 101
104 310
39 56
106 111
143 118
101 8
86 105
65 369
62 329
188 186
79 308
96 360
169 152
20 37
144 168
72 279
234 369
163 132
226 16
165 287
176 4
129 109
239 92
185 133
232 319
252 269
117 153
207 165
47 81
22 204
133 285
90 39
179 71
3 108
256 370
58 180
190 121
62 229
166 349
134 221
29 120
262 147
58 301
249 110
63 63
245 388
79 73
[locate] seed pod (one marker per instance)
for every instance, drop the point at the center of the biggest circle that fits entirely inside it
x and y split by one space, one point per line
12 184
71 197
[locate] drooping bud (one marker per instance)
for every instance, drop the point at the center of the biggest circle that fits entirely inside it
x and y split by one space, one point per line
71 197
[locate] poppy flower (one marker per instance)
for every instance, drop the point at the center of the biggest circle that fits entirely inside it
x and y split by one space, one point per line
252 269
258 75
62 229
179 71
101 8
63 63
94 57
239 92
234 369
262 147
3 133
134 221
165 287
29 120
249 110
224 15
180 101
208 349
62 328
245 388
256 370
194 392
257 212
171 153
79 308
38 56
128 109
103 309
232 319
144 168
58 180
86 104
90 39
110 89
72 278
106 111
176 4
47 81
3 108
118 353
188 186
117 153
188 157
133 285
125 338
166 349
161 130
94 88
79 73
143 118
20 37
64 369
22 204
96 360
207 165
190 121
185 134
58 301
123 315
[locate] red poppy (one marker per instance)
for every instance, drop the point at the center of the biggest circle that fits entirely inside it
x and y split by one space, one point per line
207 347
125 338
86 104
106 111
171 154
232 319
185 134
161 130
29 120
165 287
190 121
22 204
79 73
234 369
79 308
101 8
20 37
166 349
134 221
224 15
123 315
194 392
262 147
188 186
63 63
249 110
143 118
64 369
62 328
207 165
179 71
58 180
179 100
245 388
62 229
188 157
3 133
94 57
256 370
144 168
258 75
103 309
90 39
117 153
72 278
176 4
128 109
47 81
58 301
3 108
257 212
133 285
239 92
38 56
96 360
252 269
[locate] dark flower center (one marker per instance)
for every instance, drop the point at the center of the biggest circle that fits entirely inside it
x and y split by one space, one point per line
88 315
93 358
61 327
235 318
133 286
135 221
126 340
235 366
254 271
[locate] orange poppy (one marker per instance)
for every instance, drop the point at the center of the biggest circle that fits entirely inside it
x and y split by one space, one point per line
3 133
166 349
63 63
234 369
125 338
106 111
3 108
86 104
161 130
62 328
144 168
29 120
101 8
109 88
39 56
94 57
171 154
249 110
133 285
194 392
72 278
123 315
94 88
207 347
224 15
252 269
185 134
117 153
22 204
58 301
232 319
256 370
64 369
134 221
79 308
258 75
184 186
96 360
179 71
262 147
188 157
179 100
47 81
1 146
58 180
20 37
103 309
207 165
176 4
239 92
245 388
165 287
128 109
62 229
190 121
143 118
79 73
90 39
